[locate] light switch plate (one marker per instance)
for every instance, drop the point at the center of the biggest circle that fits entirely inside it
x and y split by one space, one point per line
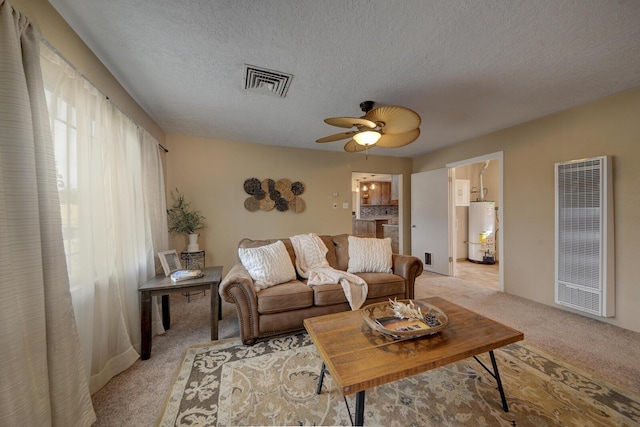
345 205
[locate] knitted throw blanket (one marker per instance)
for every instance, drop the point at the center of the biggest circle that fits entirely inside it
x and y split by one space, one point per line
312 264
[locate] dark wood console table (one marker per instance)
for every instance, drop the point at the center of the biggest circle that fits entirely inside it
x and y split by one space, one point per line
162 285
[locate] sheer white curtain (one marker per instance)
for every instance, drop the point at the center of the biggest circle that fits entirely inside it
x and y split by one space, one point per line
155 203
156 214
111 190
42 378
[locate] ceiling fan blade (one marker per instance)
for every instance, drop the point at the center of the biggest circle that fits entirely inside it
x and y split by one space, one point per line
337 136
398 139
349 122
353 147
395 119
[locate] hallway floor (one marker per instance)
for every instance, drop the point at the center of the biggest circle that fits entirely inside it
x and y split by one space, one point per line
485 275
481 274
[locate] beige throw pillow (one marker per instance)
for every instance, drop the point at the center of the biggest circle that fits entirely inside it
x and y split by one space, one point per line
369 255
267 265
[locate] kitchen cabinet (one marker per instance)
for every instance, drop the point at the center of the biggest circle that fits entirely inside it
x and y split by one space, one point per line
395 188
379 195
361 227
371 227
391 231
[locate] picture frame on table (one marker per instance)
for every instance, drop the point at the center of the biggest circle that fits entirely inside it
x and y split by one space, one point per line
170 261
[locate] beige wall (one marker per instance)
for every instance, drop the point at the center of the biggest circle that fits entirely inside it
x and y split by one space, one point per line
211 174
608 126
58 33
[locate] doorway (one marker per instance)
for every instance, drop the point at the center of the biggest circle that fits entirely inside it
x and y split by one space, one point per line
377 206
482 177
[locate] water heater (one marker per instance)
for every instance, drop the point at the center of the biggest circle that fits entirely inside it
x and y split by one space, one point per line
482 239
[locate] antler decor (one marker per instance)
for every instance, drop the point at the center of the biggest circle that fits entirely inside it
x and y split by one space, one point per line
406 311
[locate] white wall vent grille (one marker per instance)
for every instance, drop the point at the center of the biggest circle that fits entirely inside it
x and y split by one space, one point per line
584 235
263 80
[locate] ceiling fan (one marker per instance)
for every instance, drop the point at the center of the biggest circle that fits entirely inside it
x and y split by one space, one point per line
387 127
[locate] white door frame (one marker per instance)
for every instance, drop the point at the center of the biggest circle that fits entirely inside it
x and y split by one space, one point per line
452 209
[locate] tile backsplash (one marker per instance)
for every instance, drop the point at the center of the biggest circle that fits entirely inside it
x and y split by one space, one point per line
378 210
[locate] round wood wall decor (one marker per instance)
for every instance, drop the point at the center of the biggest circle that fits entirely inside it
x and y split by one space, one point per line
283 195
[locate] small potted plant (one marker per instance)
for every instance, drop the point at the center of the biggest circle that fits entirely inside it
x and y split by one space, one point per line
182 219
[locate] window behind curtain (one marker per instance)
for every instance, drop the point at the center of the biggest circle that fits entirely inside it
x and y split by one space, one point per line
110 182
65 134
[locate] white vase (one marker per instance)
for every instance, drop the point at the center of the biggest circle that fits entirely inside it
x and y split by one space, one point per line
193 243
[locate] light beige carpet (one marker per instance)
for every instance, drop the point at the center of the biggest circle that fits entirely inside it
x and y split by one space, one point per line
608 351
274 383
134 397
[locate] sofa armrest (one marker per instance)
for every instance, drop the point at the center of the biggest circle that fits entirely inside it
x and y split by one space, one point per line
409 267
237 276
237 288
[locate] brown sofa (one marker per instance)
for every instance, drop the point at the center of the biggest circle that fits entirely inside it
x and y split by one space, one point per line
282 308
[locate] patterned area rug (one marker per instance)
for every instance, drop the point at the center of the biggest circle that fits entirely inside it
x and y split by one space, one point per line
274 383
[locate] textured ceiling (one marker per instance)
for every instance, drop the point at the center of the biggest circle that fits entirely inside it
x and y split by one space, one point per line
467 67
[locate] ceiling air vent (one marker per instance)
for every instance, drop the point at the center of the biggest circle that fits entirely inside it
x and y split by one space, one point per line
263 80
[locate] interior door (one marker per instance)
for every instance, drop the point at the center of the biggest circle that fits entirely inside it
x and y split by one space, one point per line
430 220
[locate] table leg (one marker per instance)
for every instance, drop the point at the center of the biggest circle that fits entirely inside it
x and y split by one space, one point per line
215 310
495 374
145 324
166 316
497 377
359 408
323 369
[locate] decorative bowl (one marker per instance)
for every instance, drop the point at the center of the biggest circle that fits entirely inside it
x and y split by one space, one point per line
380 317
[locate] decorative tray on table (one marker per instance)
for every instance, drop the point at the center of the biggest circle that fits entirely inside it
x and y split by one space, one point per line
384 318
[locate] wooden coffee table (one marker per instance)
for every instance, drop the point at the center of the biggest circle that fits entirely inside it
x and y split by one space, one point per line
360 358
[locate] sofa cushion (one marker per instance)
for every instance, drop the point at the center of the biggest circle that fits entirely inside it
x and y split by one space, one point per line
369 255
331 253
328 295
268 265
288 296
248 243
341 243
383 284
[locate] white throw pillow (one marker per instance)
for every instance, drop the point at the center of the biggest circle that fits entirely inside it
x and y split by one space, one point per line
268 265
369 255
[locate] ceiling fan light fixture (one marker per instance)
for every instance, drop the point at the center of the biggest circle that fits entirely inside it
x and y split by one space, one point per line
368 137
387 127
